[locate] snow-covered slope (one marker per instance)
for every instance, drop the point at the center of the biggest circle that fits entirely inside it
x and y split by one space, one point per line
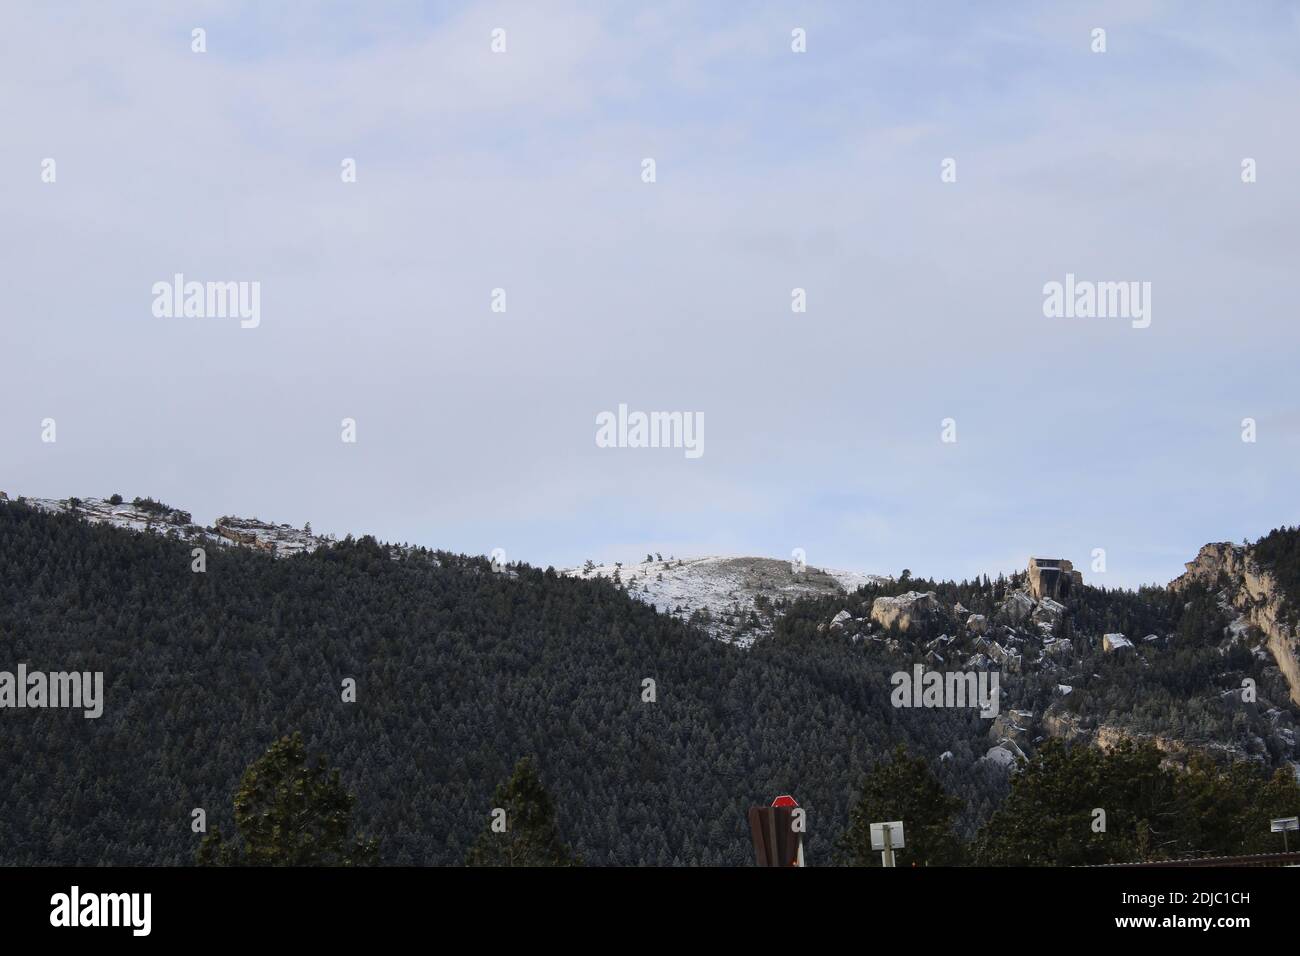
146 515
733 598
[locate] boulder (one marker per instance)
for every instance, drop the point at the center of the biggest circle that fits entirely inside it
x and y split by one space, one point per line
903 610
1048 612
1059 650
977 624
1002 756
1008 657
1016 607
1110 643
1016 726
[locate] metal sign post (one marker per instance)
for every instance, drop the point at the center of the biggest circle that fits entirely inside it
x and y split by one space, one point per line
887 837
1282 825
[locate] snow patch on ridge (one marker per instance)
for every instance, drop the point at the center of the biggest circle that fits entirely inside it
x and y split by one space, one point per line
733 598
279 540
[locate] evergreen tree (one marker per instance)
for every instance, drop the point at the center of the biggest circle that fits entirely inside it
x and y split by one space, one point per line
532 835
1080 806
290 812
903 788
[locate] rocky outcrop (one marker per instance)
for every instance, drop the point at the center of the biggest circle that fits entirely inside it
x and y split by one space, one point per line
277 539
1061 649
1016 608
1017 726
1071 728
147 515
903 610
1004 755
1052 578
1064 725
1048 613
1008 657
1254 592
1176 750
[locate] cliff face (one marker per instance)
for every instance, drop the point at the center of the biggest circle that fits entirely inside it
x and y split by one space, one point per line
1073 729
1255 594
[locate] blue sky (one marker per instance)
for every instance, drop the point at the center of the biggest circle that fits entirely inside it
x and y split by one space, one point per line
775 170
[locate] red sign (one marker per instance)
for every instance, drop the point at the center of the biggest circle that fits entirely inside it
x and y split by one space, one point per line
785 800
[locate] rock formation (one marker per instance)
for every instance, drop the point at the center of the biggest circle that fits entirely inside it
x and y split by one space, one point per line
1052 578
1016 608
1110 643
904 609
1255 593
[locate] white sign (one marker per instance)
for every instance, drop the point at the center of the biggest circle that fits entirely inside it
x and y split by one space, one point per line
895 835
1283 823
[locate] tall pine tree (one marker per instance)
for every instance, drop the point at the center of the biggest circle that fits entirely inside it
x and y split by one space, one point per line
531 834
289 812
903 788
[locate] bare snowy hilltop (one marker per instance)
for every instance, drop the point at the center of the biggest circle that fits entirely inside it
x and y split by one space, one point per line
735 599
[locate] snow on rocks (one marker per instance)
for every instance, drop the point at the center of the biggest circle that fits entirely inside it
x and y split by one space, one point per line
1016 607
1110 643
840 621
1048 612
1001 755
146 515
733 596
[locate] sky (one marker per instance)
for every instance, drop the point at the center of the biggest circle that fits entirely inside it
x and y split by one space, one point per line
523 170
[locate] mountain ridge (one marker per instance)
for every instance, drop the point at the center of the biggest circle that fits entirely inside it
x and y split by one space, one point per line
461 666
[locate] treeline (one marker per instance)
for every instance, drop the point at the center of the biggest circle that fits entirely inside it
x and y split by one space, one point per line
1068 806
1079 806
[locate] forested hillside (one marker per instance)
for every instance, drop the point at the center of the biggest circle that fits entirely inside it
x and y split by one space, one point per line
460 671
